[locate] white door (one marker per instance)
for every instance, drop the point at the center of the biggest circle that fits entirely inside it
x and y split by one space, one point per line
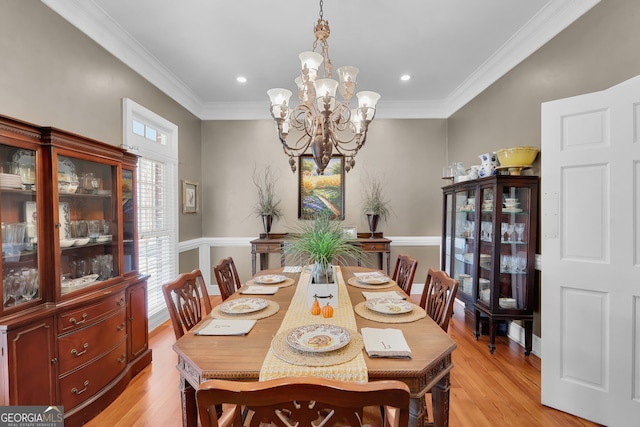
591 255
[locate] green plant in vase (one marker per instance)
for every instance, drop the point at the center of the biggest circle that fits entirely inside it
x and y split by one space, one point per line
322 241
374 205
267 205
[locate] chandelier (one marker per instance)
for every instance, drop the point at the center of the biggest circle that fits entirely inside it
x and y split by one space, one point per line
320 121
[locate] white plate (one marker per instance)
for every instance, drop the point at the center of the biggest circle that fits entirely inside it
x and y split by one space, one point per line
318 338
374 279
66 170
389 305
64 216
511 210
243 305
270 278
81 242
67 243
102 239
24 158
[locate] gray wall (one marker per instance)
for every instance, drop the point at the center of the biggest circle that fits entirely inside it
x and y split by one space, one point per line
598 51
51 74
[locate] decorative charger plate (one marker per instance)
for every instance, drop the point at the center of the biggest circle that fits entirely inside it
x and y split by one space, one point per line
389 305
80 281
270 278
374 279
243 305
318 338
66 170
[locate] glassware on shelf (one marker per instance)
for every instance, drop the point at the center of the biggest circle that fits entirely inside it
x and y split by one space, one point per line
519 228
28 176
509 232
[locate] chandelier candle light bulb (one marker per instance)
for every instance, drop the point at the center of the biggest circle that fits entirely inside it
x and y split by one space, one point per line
322 122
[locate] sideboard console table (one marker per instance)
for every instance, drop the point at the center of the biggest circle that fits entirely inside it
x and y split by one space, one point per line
275 242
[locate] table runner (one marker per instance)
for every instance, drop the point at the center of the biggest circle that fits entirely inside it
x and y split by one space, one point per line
299 314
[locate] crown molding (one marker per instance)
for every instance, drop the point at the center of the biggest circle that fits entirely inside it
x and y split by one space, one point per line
91 20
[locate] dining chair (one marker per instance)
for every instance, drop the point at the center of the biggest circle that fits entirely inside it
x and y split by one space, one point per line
187 300
404 272
227 277
323 401
438 297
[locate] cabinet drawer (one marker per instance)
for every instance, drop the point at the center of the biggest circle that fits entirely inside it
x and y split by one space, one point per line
83 316
375 247
269 247
82 346
80 385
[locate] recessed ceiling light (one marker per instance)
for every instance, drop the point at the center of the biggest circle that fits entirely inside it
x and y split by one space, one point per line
405 77
241 79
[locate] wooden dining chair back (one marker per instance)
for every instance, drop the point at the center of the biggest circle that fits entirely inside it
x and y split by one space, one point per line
187 300
438 297
404 272
318 401
227 277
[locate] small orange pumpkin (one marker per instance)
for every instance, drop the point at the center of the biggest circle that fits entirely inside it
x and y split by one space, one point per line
327 311
315 308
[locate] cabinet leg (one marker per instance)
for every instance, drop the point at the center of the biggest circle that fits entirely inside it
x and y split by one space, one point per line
528 336
477 328
492 335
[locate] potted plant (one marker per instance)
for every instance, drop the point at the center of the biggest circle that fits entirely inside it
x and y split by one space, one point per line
374 206
267 204
322 241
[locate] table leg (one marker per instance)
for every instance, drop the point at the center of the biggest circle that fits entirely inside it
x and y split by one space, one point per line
388 262
417 412
440 400
253 262
189 408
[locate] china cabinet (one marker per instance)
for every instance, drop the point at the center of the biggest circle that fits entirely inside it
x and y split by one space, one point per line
489 243
73 322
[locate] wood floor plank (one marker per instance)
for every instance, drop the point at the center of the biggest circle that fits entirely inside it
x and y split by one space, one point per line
487 390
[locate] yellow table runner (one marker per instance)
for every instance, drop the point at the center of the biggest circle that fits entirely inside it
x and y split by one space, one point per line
299 314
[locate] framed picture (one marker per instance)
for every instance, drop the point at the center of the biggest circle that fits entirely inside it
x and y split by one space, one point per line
350 232
189 197
321 193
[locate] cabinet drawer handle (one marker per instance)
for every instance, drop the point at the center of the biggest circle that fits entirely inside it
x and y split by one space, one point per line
120 302
76 391
54 360
122 358
121 327
79 322
85 346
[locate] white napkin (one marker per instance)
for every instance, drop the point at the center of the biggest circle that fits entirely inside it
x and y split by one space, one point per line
385 343
292 269
226 327
388 294
259 290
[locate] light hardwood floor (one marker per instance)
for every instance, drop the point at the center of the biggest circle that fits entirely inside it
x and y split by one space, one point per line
502 389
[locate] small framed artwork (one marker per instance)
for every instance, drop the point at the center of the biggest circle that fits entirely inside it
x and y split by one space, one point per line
321 194
350 232
189 197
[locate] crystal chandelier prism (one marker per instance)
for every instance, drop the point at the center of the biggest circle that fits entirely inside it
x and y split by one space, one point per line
320 121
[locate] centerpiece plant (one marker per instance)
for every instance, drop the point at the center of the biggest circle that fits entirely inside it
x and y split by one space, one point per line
322 241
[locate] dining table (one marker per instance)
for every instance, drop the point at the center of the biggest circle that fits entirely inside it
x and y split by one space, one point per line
241 357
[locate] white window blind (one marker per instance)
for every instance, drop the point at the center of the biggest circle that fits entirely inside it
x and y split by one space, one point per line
156 236
156 141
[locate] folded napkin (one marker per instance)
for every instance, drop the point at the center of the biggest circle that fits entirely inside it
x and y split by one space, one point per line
226 327
389 294
292 269
385 343
259 290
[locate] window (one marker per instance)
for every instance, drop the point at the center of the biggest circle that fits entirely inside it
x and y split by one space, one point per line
156 141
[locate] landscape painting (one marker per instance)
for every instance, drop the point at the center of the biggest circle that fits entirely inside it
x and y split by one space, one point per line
321 194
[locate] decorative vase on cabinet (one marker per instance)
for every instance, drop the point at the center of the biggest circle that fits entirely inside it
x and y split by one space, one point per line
491 249
66 284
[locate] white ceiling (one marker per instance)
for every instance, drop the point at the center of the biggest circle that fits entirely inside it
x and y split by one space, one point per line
193 50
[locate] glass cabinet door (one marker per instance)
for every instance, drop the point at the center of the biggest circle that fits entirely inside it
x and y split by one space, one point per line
18 206
129 220
464 243
87 220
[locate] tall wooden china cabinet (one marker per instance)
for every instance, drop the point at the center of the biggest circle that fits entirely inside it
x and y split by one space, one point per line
73 322
489 243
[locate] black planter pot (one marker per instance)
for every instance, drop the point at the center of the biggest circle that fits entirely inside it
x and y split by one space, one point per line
373 222
266 223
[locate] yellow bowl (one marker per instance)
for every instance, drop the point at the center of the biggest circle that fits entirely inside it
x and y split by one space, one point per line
517 156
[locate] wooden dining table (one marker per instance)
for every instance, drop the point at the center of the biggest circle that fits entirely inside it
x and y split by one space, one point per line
240 358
